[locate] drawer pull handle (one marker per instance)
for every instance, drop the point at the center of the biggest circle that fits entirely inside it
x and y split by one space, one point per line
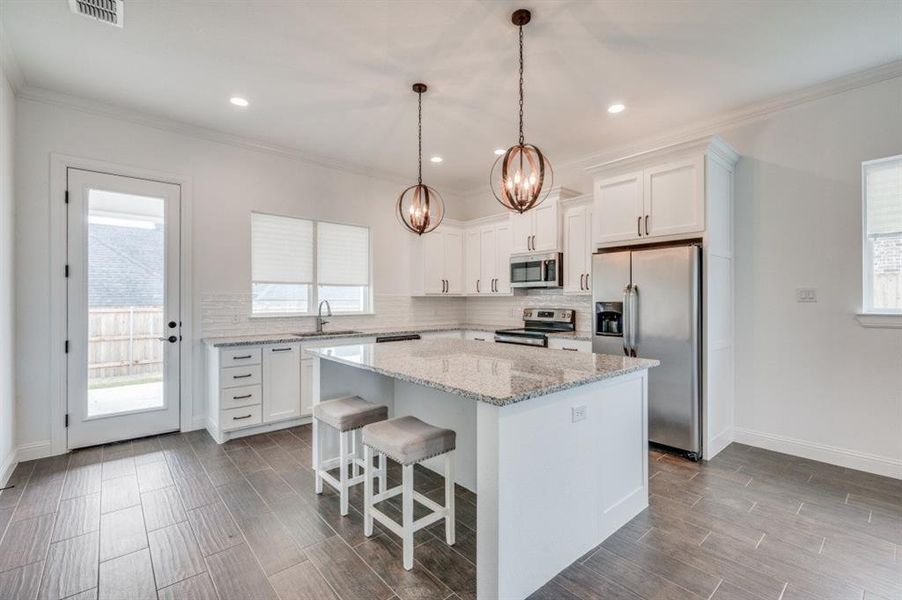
570 349
240 418
281 349
242 397
242 376
245 357
479 339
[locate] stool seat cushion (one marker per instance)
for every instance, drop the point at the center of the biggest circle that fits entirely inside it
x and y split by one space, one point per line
408 440
345 414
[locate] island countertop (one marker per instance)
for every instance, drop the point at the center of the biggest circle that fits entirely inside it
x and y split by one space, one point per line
500 374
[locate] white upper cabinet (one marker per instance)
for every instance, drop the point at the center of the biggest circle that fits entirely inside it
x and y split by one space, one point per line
664 200
539 229
281 382
674 198
488 259
577 248
438 265
503 258
472 285
617 208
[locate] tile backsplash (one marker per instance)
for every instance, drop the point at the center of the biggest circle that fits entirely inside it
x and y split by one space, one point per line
508 310
228 314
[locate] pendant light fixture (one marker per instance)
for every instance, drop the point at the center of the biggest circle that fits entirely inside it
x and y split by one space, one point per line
420 207
522 176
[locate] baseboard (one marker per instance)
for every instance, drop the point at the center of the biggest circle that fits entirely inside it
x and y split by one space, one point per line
33 450
7 467
718 443
843 457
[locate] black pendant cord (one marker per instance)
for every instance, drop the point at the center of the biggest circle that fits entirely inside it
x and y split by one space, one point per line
521 85
420 138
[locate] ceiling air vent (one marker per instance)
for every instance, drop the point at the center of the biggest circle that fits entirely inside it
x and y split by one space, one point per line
105 11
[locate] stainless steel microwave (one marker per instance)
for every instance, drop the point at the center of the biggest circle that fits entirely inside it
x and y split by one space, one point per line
537 271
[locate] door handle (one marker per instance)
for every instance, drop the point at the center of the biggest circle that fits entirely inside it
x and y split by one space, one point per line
639 226
625 317
646 224
634 317
171 339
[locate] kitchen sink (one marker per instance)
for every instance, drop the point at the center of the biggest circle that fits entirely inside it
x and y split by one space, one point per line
307 334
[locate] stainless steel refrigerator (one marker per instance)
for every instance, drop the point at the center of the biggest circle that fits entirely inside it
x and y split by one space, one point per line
647 302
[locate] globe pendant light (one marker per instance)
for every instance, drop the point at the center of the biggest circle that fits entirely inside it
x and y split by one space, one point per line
521 177
420 207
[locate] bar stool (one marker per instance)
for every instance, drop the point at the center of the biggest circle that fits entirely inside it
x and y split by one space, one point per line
407 440
347 416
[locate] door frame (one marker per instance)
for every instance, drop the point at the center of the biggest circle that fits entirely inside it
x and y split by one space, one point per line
59 164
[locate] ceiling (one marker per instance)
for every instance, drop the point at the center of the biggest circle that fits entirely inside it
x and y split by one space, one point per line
332 79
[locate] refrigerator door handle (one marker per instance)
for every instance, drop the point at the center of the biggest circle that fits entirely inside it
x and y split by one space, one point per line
634 317
626 318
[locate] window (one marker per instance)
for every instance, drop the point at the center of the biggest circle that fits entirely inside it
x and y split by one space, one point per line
882 191
295 263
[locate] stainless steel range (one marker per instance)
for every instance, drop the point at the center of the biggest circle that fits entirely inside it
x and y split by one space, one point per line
537 324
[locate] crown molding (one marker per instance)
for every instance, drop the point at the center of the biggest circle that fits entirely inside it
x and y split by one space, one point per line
727 120
144 119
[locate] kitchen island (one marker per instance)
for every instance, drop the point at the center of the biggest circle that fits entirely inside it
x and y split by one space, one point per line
554 443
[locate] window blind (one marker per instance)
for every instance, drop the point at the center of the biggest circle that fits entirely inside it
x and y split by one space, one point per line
883 184
281 249
343 254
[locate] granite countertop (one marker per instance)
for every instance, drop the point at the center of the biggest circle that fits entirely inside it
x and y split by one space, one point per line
285 338
500 374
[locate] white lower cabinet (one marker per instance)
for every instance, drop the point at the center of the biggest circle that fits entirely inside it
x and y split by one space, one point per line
480 336
281 382
306 387
571 345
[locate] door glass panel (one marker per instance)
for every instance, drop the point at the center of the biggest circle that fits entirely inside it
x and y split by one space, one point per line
526 272
126 288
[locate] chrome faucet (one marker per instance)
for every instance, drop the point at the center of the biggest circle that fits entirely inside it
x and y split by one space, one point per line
320 321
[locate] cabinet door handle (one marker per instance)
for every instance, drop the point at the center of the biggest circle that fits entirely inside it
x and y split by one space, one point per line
281 349
495 285
569 349
479 339
587 282
477 286
244 357
240 418
639 226
646 224
242 376
582 286
241 397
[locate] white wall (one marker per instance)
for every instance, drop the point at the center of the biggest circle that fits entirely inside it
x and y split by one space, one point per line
228 183
809 379
7 305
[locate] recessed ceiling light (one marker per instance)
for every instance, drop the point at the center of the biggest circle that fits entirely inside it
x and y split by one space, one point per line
499 151
436 159
616 108
238 101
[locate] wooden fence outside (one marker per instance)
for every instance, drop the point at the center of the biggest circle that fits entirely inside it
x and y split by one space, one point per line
124 340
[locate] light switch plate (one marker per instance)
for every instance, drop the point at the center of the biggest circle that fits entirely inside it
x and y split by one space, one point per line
578 413
806 295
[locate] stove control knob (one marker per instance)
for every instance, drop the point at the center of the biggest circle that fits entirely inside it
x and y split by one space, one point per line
527 313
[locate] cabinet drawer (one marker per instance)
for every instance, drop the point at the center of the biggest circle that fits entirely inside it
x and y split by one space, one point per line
239 376
236 418
239 396
233 357
572 345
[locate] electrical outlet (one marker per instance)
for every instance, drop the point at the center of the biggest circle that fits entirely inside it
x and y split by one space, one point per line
578 413
236 319
806 295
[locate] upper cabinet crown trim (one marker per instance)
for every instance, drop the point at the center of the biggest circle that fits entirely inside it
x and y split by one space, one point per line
713 145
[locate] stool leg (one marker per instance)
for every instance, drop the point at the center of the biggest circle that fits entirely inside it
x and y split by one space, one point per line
368 491
407 514
382 472
318 487
449 498
343 477
355 469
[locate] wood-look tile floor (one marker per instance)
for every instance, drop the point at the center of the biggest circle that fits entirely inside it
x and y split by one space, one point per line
180 517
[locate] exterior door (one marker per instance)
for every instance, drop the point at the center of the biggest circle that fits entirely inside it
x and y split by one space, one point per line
123 321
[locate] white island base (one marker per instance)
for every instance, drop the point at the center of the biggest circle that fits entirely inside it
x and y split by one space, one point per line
550 487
